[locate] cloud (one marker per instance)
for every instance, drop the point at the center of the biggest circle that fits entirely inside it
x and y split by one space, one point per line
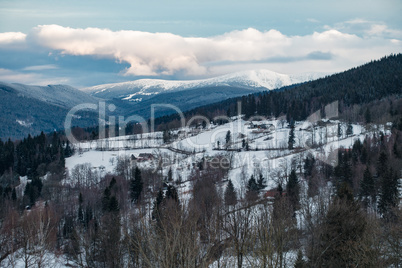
12 37
11 76
167 54
41 67
367 28
312 20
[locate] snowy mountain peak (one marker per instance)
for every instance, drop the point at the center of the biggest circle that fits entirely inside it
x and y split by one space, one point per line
251 79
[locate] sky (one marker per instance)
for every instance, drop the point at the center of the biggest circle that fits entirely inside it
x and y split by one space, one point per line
86 43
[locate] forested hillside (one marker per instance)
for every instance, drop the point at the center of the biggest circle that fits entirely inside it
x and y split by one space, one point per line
372 82
280 192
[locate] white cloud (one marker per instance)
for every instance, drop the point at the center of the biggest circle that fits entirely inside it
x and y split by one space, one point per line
41 67
11 76
12 37
312 20
169 54
367 28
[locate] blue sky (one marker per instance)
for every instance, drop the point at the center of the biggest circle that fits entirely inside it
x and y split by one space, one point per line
84 43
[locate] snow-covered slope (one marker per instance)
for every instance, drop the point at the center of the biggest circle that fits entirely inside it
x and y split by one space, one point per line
26 109
144 88
60 95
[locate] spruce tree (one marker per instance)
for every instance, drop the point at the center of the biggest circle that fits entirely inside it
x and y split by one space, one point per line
343 230
230 194
228 138
252 184
389 193
260 182
106 199
300 263
382 164
349 129
340 132
170 175
367 188
113 205
157 206
293 189
172 194
136 185
291 141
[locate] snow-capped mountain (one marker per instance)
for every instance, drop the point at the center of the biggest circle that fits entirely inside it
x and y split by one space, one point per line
145 88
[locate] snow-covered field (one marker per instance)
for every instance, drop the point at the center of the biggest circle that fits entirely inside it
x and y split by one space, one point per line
268 152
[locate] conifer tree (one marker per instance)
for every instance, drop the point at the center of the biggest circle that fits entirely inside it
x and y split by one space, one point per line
230 194
228 138
136 185
367 187
252 184
349 129
172 194
339 132
170 175
300 263
293 189
382 164
389 193
343 230
260 182
291 141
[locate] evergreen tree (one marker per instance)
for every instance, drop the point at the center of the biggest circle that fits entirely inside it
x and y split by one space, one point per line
389 193
172 194
260 182
343 230
252 184
136 185
367 187
339 132
252 189
170 175
300 263
343 171
230 194
349 129
106 199
293 190
157 205
113 205
228 138
382 164
291 141
166 136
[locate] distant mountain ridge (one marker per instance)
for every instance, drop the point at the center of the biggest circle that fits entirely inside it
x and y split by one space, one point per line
139 90
26 109
60 95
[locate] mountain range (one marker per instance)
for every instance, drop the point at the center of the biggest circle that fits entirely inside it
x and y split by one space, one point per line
27 109
142 89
